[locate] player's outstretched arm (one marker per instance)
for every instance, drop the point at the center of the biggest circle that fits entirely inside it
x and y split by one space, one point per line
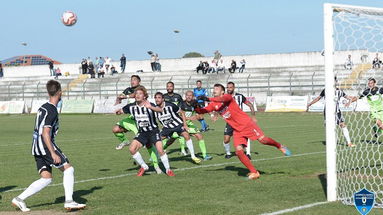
351 99
314 101
119 112
151 107
119 98
223 98
47 140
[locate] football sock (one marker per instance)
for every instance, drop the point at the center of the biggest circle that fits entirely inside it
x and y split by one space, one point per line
153 155
190 146
346 134
121 137
138 158
245 160
248 151
227 148
35 187
270 142
165 161
182 143
202 146
68 182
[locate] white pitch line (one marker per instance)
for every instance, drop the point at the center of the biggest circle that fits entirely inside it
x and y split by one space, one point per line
296 208
178 170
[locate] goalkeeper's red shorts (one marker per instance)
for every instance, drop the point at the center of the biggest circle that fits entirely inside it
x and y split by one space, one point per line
252 132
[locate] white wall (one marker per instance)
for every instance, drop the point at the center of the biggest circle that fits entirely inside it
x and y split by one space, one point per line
252 61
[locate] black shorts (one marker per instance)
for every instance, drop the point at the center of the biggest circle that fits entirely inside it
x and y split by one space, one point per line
168 132
148 138
228 130
45 162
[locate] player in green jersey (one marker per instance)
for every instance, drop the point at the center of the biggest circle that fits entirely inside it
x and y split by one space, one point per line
187 110
374 97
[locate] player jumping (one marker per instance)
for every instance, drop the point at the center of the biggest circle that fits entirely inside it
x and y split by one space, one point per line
47 154
173 123
339 118
187 112
148 132
374 97
228 133
129 124
244 126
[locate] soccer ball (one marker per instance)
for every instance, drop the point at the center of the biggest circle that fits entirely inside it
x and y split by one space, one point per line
69 18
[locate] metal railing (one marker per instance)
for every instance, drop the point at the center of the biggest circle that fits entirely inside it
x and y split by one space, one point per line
107 87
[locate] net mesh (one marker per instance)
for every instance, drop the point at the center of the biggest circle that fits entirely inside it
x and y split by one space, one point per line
359 167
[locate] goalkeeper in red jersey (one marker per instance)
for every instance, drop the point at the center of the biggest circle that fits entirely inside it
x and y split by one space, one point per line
245 127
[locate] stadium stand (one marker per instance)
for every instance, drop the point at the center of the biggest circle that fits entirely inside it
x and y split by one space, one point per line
259 82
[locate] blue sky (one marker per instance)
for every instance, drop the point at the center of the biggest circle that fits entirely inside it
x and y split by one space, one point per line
112 27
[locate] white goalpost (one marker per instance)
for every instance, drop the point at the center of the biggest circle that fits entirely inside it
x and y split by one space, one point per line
357 30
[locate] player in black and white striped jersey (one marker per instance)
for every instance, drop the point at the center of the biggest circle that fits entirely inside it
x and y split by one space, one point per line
173 123
339 118
228 133
148 132
47 154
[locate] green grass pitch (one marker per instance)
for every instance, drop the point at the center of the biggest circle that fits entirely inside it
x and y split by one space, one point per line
108 184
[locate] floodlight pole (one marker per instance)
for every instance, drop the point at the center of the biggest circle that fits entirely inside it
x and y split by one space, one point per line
330 103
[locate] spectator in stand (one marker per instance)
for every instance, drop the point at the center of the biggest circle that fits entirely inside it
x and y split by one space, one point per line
108 62
91 70
205 67
217 56
1 70
213 67
96 63
113 70
84 66
122 63
51 68
101 72
243 64
221 67
200 67
152 60
348 64
233 66
101 62
376 62
57 73
157 64
89 60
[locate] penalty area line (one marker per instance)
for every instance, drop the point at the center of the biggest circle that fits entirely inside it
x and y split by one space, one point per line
288 210
175 170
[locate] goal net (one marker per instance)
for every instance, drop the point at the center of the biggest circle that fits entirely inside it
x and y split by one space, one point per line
353 54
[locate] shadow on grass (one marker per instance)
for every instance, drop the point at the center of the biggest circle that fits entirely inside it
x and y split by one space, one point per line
241 171
323 180
77 196
6 188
